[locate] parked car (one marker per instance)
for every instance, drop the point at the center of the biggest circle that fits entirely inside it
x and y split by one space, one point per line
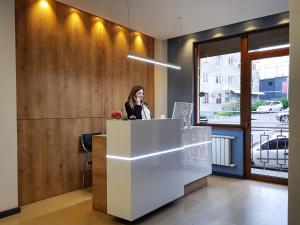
203 118
283 116
272 153
269 106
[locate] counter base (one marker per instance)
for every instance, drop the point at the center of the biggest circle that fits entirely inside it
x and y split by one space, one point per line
194 186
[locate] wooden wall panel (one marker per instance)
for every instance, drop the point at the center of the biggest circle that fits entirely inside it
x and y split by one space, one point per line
118 82
72 72
140 72
78 53
50 156
58 60
35 36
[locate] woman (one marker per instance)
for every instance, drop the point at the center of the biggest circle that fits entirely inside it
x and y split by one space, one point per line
135 107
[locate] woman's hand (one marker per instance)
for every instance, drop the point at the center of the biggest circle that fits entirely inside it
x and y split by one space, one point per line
138 100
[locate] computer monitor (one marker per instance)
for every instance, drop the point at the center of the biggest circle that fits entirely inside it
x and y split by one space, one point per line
183 111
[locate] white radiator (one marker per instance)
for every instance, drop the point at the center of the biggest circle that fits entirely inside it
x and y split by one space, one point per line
221 150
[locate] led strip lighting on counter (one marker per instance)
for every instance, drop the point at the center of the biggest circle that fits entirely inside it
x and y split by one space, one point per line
156 153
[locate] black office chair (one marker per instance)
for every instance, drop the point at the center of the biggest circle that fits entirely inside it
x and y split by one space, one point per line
86 142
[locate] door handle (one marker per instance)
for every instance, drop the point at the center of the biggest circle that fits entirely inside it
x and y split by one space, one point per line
248 122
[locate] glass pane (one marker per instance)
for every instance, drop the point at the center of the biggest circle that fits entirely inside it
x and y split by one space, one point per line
219 89
270 116
283 143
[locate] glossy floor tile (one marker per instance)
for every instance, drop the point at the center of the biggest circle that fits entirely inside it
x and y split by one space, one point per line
225 201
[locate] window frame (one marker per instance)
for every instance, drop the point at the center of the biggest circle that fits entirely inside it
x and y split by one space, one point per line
245 109
244 66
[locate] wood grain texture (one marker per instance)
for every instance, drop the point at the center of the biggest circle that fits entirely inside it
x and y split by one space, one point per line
194 186
118 82
58 62
50 156
99 173
35 36
72 71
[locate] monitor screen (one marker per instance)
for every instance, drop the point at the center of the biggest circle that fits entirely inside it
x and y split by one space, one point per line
183 111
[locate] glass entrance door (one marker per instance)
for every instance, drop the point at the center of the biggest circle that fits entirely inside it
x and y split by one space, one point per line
270 117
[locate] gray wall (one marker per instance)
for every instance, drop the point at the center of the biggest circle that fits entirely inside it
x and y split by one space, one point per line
181 82
294 92
160 79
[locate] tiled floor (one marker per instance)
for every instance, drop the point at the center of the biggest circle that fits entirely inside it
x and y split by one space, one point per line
225 201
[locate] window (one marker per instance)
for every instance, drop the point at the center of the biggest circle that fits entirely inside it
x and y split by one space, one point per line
264 79
205 98
272 144
205 78
219 99
230 79
220 104
283 143
218 60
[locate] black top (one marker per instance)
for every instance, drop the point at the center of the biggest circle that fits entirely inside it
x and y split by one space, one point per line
136 111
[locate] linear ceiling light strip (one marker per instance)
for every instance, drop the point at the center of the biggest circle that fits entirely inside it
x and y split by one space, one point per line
144 59
148 60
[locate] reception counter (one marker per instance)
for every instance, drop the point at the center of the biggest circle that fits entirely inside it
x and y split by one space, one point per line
148 164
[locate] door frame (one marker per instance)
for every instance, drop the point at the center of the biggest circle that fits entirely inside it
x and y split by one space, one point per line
245 96
246 62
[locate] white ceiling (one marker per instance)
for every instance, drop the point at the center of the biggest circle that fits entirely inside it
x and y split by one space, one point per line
159 18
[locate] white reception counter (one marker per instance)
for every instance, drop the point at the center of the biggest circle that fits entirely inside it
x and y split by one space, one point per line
148 165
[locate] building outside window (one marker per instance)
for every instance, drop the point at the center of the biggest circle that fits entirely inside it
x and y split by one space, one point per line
218 59
212 104
205 78
254 67
205 98
269 77
219 99
218 79
230 78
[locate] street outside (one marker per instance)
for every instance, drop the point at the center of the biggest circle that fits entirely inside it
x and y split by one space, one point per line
264 126
263 120
260 123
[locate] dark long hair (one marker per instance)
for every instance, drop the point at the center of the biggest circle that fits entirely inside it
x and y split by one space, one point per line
130 100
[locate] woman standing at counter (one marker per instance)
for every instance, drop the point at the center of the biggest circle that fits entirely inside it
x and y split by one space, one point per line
135 107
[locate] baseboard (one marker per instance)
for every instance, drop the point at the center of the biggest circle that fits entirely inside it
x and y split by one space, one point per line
10 212
195 185
227 175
